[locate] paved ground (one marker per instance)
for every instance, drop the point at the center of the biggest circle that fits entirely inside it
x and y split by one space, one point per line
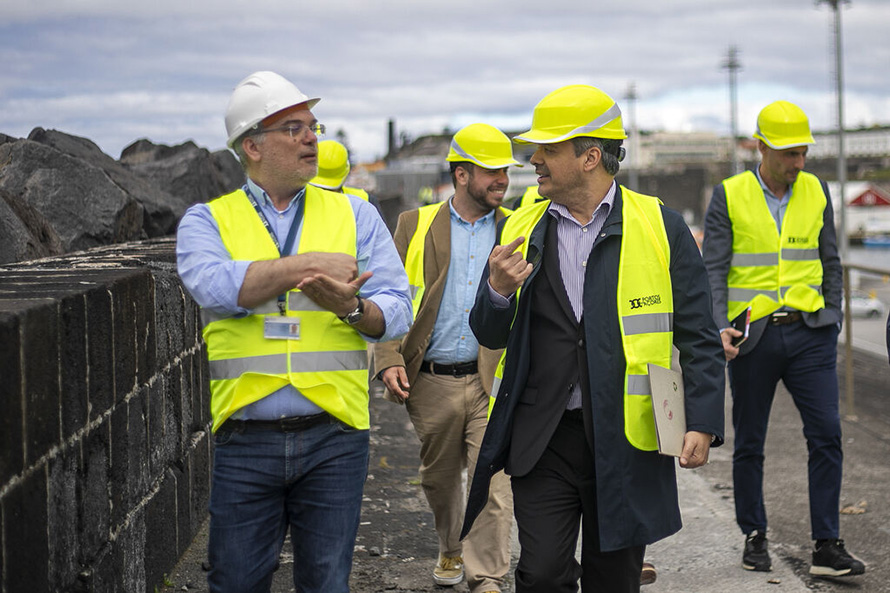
396 546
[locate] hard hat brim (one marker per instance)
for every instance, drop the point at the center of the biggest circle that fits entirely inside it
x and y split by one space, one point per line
309 103
492 164
788 142
541 137
329 184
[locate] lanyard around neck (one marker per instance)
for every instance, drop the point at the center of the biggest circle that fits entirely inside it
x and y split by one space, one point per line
291 234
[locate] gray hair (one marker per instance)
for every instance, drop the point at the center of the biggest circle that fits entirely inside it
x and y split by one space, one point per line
610 149
239 148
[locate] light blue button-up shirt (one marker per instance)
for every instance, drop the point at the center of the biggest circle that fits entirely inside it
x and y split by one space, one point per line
214 279
777 204
471 242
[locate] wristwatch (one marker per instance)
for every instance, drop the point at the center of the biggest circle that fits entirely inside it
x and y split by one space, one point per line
356 314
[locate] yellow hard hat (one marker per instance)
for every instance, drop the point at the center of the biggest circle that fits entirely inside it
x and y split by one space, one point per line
333 165
572 111
783 125
483 145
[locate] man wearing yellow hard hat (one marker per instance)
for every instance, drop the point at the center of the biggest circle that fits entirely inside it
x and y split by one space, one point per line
438 370
771 253
585 291
333 169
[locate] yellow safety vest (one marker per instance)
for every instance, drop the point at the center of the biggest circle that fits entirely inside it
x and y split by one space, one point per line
770 270
645 303
328 364
530 196
414 254
355 191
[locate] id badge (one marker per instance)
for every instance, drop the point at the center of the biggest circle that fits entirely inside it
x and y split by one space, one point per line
281 328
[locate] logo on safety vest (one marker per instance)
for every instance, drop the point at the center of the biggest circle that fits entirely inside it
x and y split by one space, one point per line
797 240
645 301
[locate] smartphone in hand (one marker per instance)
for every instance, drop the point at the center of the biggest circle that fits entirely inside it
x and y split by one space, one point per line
742 322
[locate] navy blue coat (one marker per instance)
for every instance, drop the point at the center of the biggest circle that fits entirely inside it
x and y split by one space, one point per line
636 490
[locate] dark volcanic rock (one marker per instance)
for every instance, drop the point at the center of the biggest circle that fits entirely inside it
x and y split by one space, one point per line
81 203
61 193
190 173
26 234
161 209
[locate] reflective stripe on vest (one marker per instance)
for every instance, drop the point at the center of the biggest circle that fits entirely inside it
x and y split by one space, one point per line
645 303
328 364
770 270
645 308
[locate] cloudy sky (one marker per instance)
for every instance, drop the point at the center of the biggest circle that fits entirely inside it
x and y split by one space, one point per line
116 71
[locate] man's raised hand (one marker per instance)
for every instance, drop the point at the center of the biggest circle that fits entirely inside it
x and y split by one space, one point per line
507 268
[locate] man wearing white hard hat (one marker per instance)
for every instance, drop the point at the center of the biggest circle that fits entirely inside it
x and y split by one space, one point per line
438 370
771 252
293 282
586 290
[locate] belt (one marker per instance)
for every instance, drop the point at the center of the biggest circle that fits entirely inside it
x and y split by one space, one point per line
455 370
785 317
294 424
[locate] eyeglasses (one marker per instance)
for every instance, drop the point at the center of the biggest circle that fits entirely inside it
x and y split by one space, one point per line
296 129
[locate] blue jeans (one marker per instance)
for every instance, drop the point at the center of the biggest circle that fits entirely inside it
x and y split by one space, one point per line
263 482
804 359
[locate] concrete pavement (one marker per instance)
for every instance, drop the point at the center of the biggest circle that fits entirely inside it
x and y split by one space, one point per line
396 546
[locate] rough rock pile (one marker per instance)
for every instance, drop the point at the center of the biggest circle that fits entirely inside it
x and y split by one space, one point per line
60 193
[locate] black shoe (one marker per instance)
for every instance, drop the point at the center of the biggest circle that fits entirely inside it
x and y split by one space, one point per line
756 557
831 559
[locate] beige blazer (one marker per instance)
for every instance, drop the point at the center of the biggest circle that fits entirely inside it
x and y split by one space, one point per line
410 350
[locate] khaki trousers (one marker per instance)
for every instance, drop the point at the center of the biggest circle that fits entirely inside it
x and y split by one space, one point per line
449 415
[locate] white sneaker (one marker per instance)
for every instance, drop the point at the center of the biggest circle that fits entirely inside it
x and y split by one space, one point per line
449 571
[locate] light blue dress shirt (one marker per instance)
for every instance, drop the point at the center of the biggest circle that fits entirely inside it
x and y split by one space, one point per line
214 279
777 204
471 242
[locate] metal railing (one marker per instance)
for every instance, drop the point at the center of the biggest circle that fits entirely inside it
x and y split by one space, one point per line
848 331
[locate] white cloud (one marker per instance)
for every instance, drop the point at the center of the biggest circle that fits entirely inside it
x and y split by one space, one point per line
115 72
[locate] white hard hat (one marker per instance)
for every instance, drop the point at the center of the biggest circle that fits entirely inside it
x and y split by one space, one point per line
257 97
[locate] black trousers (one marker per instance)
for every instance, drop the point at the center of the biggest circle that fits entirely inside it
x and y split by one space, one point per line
551 503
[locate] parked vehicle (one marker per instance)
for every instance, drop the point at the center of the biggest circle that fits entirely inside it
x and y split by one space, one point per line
863 304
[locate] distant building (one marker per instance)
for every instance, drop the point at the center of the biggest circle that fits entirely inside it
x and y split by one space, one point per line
680 168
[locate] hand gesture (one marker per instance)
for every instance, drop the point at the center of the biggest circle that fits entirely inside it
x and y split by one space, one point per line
331 294
506 268
339 266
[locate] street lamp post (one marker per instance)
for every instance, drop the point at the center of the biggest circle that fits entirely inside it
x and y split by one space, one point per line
843 241
733 65
843 246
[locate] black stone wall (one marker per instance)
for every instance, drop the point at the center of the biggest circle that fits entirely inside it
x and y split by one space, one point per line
104 421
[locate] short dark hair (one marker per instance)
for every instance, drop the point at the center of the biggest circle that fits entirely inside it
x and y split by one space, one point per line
466 165
610 149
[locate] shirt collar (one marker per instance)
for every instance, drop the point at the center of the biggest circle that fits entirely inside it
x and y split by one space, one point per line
260 194
766 189
560 211
457 217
